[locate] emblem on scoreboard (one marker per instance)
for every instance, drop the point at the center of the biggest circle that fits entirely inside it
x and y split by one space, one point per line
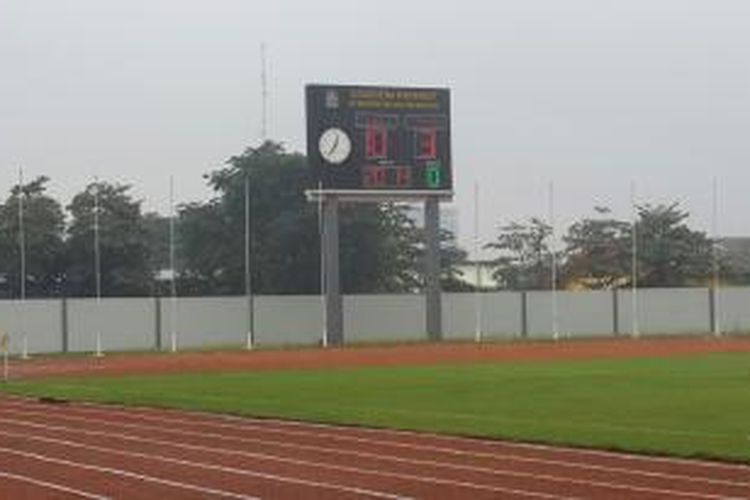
332 99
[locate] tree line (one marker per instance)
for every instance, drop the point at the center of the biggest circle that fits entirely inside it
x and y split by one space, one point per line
381 247
657 249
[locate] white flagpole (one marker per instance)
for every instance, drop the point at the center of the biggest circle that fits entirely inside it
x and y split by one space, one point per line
322 266
715 259
250 340
22 251
173 268
478 271
553 263
635 333
97 271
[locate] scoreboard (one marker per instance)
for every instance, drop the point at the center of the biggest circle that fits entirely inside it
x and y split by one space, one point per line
362 138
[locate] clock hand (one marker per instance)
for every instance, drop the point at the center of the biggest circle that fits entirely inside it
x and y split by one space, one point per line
335 144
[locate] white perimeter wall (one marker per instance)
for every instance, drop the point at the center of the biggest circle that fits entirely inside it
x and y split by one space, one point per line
380 318
579 314
733 309
204 321
137 323
498 313
40 319
666 311
288 320
124 324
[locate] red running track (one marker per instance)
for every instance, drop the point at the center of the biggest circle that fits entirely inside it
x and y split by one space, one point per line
95 451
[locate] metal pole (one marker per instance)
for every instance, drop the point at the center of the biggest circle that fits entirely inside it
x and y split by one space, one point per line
173 300
250 340
477 270
322 265
715 259
553 259
635 333
22 251
264 93
97 270
432 269
334 313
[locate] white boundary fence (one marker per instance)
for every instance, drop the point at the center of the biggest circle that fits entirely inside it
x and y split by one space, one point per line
70 325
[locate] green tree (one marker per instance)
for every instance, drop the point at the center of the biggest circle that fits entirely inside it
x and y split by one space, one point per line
669 252
157 240
376 241
124 251
598 251
44 221
523 260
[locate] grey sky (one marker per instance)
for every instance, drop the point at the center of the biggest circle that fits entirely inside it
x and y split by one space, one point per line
590 93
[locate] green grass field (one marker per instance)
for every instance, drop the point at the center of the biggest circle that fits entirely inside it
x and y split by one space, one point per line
695 406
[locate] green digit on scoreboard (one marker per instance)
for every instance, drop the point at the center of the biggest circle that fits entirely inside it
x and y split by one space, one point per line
433 174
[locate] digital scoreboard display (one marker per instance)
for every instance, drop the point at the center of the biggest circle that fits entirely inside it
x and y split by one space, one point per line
379 138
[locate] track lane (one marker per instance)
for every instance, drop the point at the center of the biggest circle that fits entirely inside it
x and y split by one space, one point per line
100 480
672 468
253 432
565 483
236 468
24 486
473 478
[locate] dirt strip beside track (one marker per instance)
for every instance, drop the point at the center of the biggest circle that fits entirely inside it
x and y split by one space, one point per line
407 355
229 453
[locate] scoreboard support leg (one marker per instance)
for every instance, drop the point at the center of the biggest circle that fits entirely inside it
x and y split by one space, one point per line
432 269
334 317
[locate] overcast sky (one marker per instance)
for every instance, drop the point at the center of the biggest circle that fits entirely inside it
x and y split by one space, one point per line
592 94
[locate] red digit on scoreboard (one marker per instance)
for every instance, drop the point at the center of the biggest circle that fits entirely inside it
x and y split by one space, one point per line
427 143
403 177
376 138
373 176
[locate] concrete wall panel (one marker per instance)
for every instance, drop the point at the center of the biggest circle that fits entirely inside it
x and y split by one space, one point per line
40 319
499 315
666 311
288 320
124 323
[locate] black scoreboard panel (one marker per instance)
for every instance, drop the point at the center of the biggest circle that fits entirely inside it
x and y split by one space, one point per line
379 138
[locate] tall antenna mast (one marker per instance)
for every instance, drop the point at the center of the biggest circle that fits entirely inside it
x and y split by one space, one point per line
264 93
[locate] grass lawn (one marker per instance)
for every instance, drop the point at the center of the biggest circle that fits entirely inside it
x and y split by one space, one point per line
694 406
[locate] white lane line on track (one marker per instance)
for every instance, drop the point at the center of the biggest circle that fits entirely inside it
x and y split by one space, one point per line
421 435
361 491
202 465
53 486
449 451
246 422
484 443
250 422
265 456
128 474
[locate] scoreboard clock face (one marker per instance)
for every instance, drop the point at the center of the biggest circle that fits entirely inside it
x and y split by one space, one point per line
334 146
379 138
